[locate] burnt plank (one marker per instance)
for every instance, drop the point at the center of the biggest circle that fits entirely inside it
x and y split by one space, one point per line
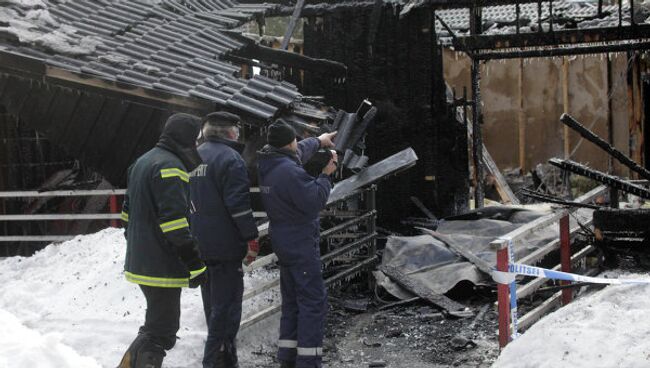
81 123
420 290
125 141
98 144
16 92
35 109
61 111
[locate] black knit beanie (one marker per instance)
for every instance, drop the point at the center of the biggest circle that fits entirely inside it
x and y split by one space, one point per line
280 134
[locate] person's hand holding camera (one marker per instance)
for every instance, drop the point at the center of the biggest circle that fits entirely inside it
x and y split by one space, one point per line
332 165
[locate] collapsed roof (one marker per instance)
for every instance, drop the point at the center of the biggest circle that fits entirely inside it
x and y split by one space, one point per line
99 77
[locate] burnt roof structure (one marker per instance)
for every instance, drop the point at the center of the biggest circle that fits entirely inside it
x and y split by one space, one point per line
515 29
99 77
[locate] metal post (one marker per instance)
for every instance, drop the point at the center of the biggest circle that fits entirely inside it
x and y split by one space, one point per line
114 208
565 257
517 17
613 198
371 205
477 144
503 292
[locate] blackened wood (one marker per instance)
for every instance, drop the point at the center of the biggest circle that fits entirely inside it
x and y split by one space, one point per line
417 288
592 137
601 177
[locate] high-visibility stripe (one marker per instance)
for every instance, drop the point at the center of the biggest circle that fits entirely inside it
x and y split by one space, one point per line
195 273
125 216
174 225
156 281
243 213
310 351
175 172
288 344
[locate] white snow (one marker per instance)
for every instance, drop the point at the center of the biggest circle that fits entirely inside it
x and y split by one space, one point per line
35 25
22 347
74 294
607 329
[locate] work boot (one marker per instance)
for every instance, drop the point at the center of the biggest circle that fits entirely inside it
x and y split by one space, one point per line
128 360
232 355
222 360
149 359
285 364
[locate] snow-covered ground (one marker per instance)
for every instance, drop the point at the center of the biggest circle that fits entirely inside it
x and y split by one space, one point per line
69 306
607 329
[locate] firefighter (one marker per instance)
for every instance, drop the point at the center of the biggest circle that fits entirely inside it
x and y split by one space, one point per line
161 255
293 200
222 221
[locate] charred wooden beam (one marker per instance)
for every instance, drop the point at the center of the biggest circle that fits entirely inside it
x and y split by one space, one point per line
297 11
564 37
572 123
601 177
551 199
417 288
477 136
563 51
282 57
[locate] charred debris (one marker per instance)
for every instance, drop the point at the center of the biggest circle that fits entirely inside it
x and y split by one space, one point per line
95 79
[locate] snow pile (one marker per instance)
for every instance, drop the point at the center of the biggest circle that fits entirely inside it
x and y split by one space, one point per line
606 329
22 347
77 290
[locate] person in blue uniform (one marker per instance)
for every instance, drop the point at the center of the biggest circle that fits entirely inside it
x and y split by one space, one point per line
293 200
222 221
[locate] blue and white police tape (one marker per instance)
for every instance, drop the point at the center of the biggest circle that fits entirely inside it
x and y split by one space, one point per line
515 269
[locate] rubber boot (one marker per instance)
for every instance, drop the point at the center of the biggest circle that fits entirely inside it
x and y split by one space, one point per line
128 360
149 359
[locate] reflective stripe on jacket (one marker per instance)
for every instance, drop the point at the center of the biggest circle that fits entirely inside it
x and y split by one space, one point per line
155 215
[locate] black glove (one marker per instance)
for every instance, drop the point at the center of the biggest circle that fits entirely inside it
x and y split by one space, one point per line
189 254
199 280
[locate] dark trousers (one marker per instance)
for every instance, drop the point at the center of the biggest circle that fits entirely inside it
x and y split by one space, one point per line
304 307
222 304
163 315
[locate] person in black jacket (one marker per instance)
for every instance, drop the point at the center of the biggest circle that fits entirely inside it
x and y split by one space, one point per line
222 221
161 254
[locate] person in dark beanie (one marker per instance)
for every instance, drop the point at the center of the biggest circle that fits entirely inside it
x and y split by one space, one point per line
222 221
161 254
293 200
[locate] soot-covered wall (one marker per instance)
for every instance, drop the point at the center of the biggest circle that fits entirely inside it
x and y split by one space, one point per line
394 63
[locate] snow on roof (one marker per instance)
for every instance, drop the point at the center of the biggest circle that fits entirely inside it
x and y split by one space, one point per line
605 329
567 14
176 47
76 290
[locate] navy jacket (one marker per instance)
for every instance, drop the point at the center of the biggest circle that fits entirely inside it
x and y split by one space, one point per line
222 218
293 200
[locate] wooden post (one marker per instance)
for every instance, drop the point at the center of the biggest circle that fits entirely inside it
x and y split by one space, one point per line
565 257
114 208
565 103
522 120
633 108
503 294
